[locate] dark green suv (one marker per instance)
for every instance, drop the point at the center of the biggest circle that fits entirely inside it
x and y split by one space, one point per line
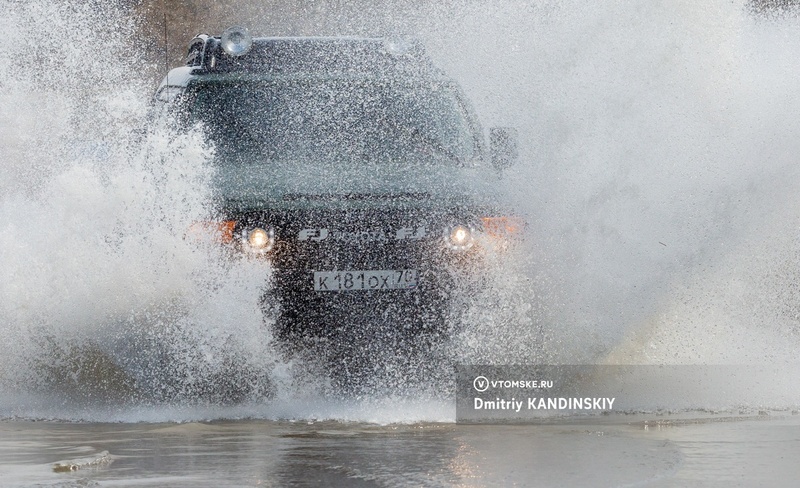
359 171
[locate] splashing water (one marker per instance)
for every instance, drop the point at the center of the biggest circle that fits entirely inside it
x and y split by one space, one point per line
99 279
658 178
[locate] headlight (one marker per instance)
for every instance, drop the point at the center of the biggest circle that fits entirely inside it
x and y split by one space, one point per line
259 240
459 237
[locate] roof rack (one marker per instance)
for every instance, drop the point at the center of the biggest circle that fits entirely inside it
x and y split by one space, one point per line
282 55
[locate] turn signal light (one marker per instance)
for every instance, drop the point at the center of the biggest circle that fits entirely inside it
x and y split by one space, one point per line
503 227
221 232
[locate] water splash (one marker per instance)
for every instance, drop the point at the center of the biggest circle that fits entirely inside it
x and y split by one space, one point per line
104 297
659 183
662 170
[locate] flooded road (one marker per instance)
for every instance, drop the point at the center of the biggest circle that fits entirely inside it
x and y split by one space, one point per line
621 450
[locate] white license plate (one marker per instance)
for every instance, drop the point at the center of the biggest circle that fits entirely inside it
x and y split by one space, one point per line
403 279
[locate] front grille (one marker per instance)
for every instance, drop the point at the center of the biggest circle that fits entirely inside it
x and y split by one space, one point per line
360 239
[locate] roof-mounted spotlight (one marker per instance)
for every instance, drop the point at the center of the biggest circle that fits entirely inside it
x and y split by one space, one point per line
236 41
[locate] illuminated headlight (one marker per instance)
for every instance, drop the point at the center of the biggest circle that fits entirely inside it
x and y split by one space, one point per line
459 237
259 240
236 41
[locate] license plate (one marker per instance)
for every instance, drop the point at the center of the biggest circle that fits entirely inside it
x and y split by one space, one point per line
365 280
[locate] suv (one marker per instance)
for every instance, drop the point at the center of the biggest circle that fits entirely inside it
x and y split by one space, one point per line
359 171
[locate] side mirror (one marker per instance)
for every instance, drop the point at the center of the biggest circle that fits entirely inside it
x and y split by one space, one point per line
503 147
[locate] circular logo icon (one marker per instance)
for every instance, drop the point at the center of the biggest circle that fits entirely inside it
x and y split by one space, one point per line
480 383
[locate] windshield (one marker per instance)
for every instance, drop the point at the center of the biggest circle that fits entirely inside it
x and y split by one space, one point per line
335 122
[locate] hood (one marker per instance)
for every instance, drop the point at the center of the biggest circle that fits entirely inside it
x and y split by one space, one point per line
303 185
